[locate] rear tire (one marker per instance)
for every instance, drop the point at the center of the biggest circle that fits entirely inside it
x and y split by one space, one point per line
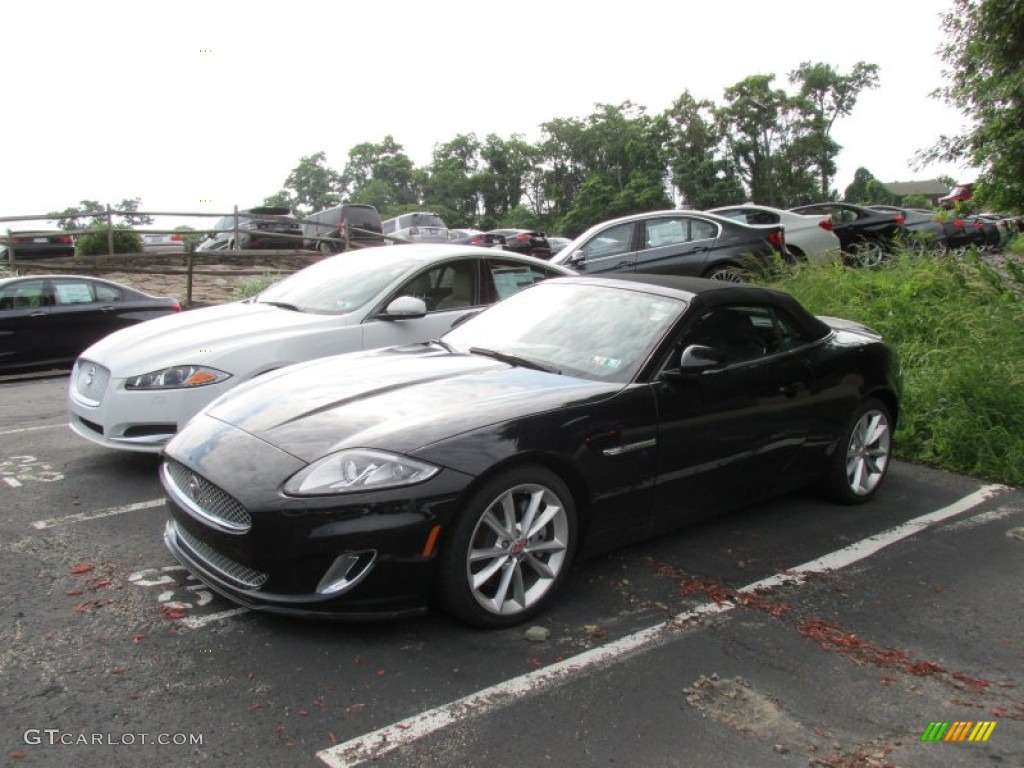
867 253
509 550
861 459
728 273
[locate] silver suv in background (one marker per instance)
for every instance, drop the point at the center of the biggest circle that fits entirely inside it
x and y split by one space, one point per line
417 227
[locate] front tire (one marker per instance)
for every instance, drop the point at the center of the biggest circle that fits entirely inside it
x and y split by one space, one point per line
510 548
861 458
727 273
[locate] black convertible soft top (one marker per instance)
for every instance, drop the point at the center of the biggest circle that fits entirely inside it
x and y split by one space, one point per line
703 293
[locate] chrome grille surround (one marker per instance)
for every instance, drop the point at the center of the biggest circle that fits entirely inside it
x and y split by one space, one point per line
89 382
204 499
241 575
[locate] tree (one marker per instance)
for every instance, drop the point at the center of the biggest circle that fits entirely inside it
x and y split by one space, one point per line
857 191
824 96
750 122
386 163
87 211
703 177
311 186
450 184
984 81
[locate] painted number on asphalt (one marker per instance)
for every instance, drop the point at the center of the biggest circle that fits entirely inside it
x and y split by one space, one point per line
175 592
16 470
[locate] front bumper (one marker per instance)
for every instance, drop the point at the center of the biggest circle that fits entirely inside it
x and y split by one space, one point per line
142 420
345 556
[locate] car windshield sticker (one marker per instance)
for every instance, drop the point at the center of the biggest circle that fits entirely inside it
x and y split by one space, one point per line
607 362
509 280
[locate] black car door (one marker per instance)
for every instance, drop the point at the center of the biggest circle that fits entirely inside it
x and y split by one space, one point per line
25 337
79 317
610 250
675 245
727 434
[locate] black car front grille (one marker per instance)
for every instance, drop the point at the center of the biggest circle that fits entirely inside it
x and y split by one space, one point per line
241 575
206 499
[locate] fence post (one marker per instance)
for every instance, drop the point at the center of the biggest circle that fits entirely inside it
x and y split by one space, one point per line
188 279
110 232
236 229
10 248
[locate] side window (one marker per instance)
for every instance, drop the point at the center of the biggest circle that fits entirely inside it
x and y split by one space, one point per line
659 232
739 333
24 295
508 277
72 292
702 230
610 242
446 286
106 293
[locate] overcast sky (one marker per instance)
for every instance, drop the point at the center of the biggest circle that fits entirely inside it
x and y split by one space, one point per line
199 106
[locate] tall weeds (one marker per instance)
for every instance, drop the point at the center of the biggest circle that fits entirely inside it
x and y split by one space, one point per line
957 325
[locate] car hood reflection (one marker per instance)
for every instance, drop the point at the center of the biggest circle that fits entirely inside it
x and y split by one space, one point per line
395 399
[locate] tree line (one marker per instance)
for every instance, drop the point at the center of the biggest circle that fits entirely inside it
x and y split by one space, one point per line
761 142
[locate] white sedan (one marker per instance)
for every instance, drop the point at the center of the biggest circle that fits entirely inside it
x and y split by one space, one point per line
137 387
808 238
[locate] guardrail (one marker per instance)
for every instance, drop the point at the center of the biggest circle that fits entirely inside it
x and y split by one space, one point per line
108 214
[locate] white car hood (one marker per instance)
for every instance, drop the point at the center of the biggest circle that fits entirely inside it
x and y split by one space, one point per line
203 336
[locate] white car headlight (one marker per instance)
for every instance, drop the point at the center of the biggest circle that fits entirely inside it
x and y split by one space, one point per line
177 377
358 469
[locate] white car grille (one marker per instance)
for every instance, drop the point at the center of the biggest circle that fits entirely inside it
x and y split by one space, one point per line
90 381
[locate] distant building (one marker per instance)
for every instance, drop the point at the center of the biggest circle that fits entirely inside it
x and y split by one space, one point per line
933 190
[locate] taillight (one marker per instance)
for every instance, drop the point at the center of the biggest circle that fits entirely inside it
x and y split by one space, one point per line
826 223
476 239
900 219
522 238
175 307
65 239
979 226
176 236
959 224
776 238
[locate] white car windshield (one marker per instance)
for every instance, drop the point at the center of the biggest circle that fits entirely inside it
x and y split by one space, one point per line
589 331
341 283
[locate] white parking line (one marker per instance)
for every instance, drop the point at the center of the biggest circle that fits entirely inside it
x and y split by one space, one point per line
83 516
375 745
31 429
195 622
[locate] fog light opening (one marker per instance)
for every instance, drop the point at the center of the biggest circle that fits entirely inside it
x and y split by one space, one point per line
347 570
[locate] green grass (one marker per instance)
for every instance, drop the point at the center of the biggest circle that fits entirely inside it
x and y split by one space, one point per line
253 285
956 324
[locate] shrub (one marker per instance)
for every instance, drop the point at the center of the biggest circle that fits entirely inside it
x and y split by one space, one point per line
955 326
95 243
254 285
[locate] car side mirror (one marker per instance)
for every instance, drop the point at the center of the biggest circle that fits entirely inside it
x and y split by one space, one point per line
695 359
576 257
405 308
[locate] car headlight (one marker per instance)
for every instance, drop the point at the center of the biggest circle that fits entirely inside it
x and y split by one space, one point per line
358 470
177 377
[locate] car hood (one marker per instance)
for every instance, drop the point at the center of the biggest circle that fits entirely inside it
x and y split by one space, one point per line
201 336
398 399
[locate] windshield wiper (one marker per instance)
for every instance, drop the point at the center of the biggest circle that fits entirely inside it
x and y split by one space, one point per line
282 305
505 357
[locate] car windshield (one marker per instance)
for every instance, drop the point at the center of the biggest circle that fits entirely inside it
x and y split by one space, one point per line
593 332
341 283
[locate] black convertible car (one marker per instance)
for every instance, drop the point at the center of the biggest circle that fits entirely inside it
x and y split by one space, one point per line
578 415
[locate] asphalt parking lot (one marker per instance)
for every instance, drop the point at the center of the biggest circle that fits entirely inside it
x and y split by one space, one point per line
790 633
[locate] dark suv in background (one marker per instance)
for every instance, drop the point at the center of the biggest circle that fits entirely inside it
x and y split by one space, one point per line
267 226
345 226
